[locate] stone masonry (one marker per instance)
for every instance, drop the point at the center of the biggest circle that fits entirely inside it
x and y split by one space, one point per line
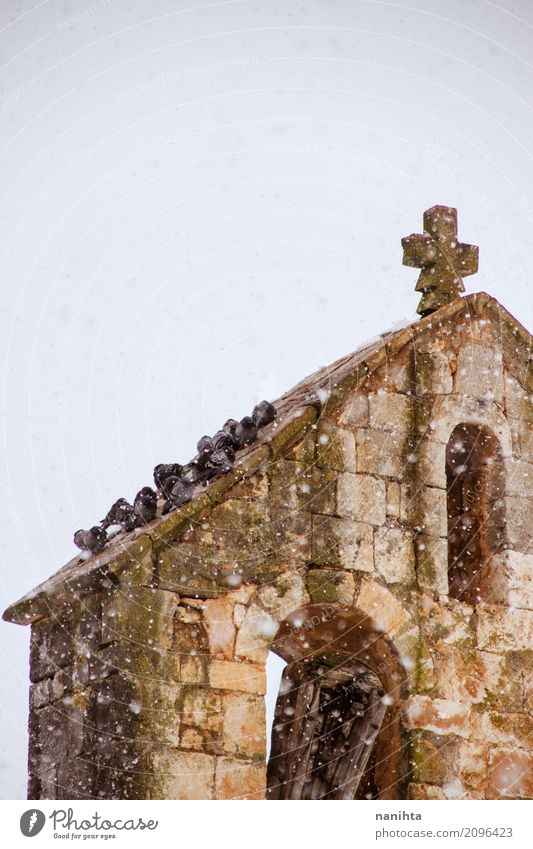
329 537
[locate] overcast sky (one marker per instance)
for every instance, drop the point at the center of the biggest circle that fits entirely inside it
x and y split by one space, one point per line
200 204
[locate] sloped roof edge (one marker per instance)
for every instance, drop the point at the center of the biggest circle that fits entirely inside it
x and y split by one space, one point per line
298 409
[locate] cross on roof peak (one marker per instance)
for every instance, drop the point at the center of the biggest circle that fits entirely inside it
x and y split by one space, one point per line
444 261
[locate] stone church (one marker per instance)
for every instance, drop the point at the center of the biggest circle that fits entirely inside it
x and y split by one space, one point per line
377 535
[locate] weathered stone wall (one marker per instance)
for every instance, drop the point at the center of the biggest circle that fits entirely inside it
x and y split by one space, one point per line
152 684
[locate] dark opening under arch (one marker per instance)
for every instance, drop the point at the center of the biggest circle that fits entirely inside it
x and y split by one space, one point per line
337 731
476 522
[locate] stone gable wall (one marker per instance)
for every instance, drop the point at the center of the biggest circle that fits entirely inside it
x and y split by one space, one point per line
152 685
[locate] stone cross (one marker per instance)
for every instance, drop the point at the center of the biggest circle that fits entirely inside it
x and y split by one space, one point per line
444 261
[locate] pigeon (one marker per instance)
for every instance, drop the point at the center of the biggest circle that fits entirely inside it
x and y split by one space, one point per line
217 463
121 513
181 493
168 483
230 427
246 431
205 448
263 413
165 470
92 540
221 461
223 440
145 505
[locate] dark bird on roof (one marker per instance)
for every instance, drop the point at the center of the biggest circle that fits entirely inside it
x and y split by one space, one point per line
221 461
230 427
181 493
145 505
204 445
92 540
246 431
223 440
168 483
121 513
263 413
165 470
205 448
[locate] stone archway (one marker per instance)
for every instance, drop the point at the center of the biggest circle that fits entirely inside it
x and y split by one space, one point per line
337 730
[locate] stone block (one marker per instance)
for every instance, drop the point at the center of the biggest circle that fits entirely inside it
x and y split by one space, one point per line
335 449
193 739
427 507
421 792
355 413
511 774
473 765
518 402
380 452
286 594
431 463
522 433
218 618
255 635
518 523
343 543
40 693
393 499
329 586
243 731
319 491
518 477
397 372
451 623
509 579
77 779
479 372
462 675
505 729
142 615
441 716
304 452
243 677
394 554
431 563
362 497
238 779
239 612
501 630
391 411
183 775
433 374
51 646
386 611
430 766
195 670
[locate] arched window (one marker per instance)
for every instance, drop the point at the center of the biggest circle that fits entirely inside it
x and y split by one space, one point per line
475 509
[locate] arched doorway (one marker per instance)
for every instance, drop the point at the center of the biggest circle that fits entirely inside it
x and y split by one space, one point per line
337 731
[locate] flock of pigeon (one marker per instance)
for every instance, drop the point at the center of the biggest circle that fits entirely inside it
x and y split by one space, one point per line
175 483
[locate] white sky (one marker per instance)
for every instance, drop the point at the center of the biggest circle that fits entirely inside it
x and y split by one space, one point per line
200 203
